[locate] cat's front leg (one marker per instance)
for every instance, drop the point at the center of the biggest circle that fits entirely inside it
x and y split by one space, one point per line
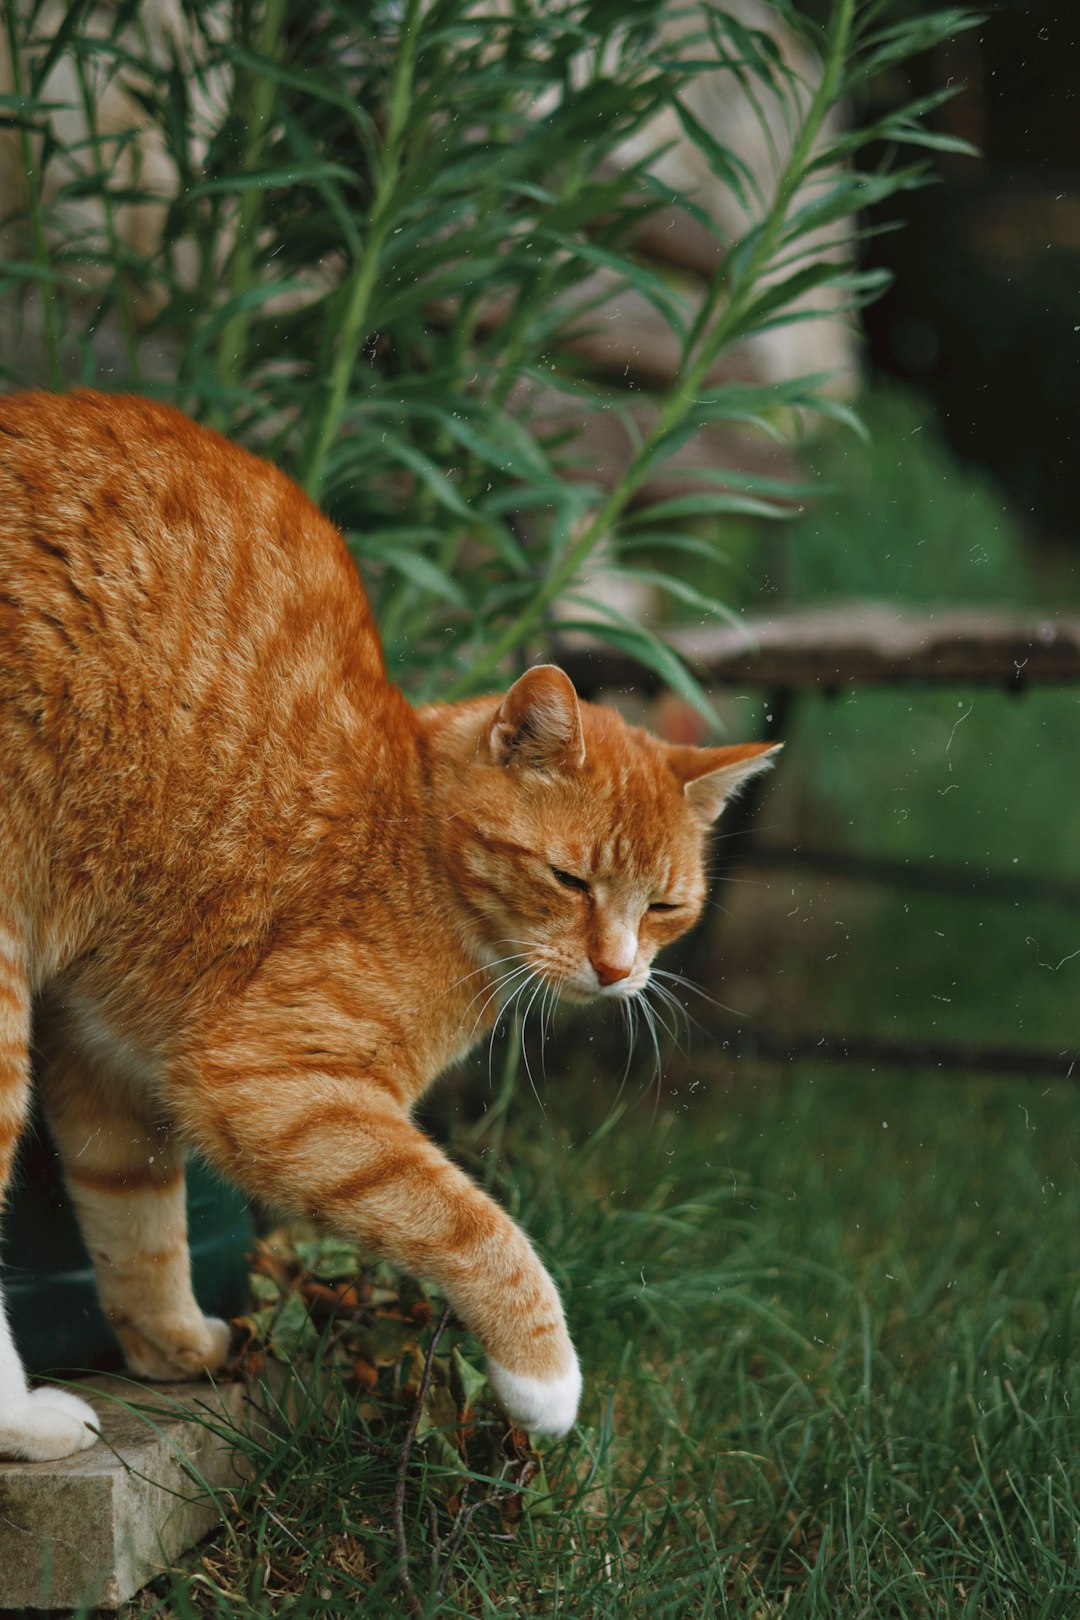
346 1154
401 1195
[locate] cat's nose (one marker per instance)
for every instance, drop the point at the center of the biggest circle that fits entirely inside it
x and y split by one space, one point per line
611 972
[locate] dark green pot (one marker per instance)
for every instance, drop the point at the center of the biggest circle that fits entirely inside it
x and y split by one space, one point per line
48 1281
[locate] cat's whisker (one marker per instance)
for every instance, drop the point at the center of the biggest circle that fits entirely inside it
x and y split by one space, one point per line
505 1007
489 991
744 832
676 978
681 1012
518 990
688 984
524 1051
663 1024
500 1016
553 1006
524 945
650 1024
496 1022
493 992
668 1029
759 883
682 1017
486 968
629 1016
546 1012
657 984
514 956
516 995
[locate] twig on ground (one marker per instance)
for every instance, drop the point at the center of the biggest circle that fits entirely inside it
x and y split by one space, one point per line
449 1546
404 1457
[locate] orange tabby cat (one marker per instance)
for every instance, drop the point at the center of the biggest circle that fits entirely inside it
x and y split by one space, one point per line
255 902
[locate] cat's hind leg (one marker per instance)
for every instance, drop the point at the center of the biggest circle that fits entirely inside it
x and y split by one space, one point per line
37 1425
125 1178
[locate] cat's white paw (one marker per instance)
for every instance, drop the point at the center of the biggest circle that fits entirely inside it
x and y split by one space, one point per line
540 1405
46 1425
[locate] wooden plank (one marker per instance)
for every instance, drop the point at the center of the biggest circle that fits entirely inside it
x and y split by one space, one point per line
829 647
869 1051
973 881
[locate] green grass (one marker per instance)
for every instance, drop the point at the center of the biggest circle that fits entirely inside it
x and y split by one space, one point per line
833 1371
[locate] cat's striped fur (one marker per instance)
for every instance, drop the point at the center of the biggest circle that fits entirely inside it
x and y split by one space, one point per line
254 901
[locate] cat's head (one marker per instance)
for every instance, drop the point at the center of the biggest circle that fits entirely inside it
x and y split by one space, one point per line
575 842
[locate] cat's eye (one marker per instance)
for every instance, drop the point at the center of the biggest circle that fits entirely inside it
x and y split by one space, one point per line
663 905
568 880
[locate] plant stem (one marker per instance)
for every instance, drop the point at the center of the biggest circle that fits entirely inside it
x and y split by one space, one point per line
693 372
255 98
116 248
206 231
34 207
345 340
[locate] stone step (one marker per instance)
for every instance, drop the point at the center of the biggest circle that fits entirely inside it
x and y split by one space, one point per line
96 1527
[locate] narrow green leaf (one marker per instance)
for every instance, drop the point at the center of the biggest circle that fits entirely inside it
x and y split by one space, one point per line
250 298
521 457
707 504
734 480
780 293
725 164
435 479
681 590
647 649
383 542
693 545
298 174
934 140
429 473
463 276
910 37
423 572
652 287
846 415
30 107
539 495
30 270
315 85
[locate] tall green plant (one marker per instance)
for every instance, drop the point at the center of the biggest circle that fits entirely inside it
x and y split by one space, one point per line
381 225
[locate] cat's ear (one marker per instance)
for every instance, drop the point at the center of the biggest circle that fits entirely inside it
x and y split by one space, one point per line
538 723
711 775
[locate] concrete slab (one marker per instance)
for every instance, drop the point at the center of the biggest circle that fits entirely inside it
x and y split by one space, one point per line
98 1526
